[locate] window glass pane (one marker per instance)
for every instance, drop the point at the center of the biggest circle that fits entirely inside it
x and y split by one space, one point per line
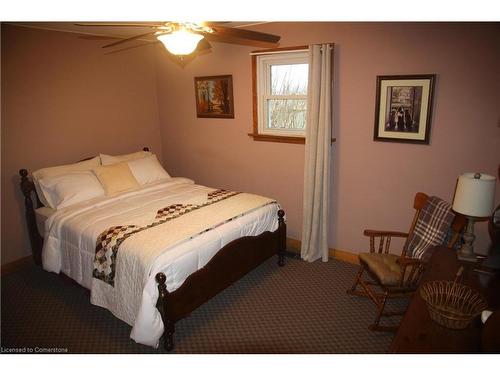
287 114
289 79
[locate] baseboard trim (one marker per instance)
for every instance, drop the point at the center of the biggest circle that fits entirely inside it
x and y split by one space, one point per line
15 265
342 255
345 256
293 245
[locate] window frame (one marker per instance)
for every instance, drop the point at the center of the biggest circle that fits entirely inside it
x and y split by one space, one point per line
260 100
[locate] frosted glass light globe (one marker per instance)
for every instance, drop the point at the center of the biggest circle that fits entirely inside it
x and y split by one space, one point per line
180 42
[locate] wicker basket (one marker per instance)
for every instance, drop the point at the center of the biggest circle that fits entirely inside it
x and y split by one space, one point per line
451 304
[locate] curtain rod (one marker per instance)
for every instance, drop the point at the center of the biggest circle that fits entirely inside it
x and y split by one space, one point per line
272 52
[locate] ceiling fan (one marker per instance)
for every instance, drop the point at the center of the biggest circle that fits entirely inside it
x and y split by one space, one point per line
182 38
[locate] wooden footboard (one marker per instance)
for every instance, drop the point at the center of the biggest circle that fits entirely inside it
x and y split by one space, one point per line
231 263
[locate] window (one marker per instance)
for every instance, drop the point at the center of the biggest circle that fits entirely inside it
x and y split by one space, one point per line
280 95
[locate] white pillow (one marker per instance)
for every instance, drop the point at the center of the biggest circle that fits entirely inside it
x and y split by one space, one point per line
40 174
147 170
72 188
109 159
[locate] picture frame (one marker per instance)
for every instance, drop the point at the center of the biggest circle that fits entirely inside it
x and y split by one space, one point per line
403 108
214 96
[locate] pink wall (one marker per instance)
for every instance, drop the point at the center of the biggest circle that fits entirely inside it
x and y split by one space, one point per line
374 182
64 99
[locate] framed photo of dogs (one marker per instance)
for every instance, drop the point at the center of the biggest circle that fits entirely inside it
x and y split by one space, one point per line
403 108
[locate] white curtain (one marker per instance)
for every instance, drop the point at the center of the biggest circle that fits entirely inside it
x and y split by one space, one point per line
316 200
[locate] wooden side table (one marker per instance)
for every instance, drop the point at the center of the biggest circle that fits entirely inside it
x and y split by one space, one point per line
418 333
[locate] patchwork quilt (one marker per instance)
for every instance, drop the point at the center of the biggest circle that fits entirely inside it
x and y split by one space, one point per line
109 241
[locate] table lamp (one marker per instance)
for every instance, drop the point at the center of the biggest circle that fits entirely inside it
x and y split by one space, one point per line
474 198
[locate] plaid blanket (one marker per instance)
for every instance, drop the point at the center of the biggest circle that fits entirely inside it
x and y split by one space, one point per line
431 228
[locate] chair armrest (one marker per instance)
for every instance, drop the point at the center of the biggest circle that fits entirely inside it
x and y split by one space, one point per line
383 233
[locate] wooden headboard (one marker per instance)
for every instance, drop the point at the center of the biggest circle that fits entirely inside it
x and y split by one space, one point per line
28 189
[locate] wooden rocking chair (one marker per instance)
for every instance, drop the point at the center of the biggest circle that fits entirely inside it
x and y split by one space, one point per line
395 276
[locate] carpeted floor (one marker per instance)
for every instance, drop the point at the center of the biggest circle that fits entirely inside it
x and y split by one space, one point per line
299 308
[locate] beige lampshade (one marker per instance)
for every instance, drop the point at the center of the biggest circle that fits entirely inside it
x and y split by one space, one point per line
475 194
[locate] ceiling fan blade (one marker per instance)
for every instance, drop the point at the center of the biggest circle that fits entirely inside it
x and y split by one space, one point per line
133 46
245 34
129 39
239 41
97 37
121 24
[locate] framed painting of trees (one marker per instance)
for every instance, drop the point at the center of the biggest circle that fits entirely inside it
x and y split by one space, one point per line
214 96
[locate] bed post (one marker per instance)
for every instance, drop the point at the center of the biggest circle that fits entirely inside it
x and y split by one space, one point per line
36 240
281 238
162 305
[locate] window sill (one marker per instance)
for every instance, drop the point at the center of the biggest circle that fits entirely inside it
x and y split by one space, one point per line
278 138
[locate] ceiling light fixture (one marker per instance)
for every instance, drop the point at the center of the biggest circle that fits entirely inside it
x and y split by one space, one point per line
181 38
180 42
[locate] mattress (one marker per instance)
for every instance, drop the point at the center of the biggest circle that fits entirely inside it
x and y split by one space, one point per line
42 214
71 233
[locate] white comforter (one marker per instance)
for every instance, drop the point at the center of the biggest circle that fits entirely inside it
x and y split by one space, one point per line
70 240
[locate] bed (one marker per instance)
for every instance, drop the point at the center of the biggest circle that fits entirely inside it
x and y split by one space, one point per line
153 254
